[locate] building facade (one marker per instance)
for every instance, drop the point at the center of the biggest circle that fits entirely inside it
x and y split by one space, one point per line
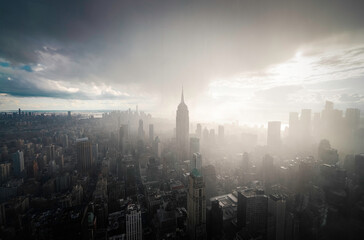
196 206
182 131
134 230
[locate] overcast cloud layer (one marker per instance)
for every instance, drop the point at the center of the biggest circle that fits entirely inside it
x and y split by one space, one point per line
237 60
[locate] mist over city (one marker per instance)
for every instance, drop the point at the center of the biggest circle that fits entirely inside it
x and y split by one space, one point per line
133 120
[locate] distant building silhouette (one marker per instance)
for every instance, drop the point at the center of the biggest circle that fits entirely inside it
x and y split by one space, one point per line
182 131
194 146
199 130
151 133
141 130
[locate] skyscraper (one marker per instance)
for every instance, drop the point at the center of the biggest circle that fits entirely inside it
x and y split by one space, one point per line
196 206
151 133
276 219
51 153
252 210
18 162
196 161
123 137
198 130
194 146
182 131
140 130
134 230
215 221
4 171
267 172
84 153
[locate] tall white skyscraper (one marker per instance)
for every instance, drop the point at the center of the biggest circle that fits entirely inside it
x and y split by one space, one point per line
182 131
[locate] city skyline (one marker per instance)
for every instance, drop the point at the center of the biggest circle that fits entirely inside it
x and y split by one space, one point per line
182 119
237 60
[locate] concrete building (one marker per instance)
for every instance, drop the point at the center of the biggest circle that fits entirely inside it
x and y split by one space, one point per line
182 131
276 217
84 154
18 163
252 210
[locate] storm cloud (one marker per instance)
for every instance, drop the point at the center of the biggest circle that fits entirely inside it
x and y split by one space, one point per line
127 50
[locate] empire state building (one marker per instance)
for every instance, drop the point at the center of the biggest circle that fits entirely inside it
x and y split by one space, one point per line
182 131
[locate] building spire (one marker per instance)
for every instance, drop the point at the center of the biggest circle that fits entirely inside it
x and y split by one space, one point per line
182 98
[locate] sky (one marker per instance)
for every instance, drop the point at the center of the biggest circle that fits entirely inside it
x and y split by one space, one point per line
237 60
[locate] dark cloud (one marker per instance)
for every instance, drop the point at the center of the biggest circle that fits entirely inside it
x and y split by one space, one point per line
161 44
23 87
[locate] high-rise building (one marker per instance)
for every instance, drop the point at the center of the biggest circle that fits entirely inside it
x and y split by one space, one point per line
84 153
277 217
196 161
95 151
199 130
252 210
215 221
65 141
4 171
51 153
134 230
18 163
267 172
157 147
182 131
151 133
196 206
194 146
123 137
130 182
140 130
274 135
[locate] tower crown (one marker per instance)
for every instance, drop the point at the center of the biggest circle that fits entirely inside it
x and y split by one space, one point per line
182 97
182 104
